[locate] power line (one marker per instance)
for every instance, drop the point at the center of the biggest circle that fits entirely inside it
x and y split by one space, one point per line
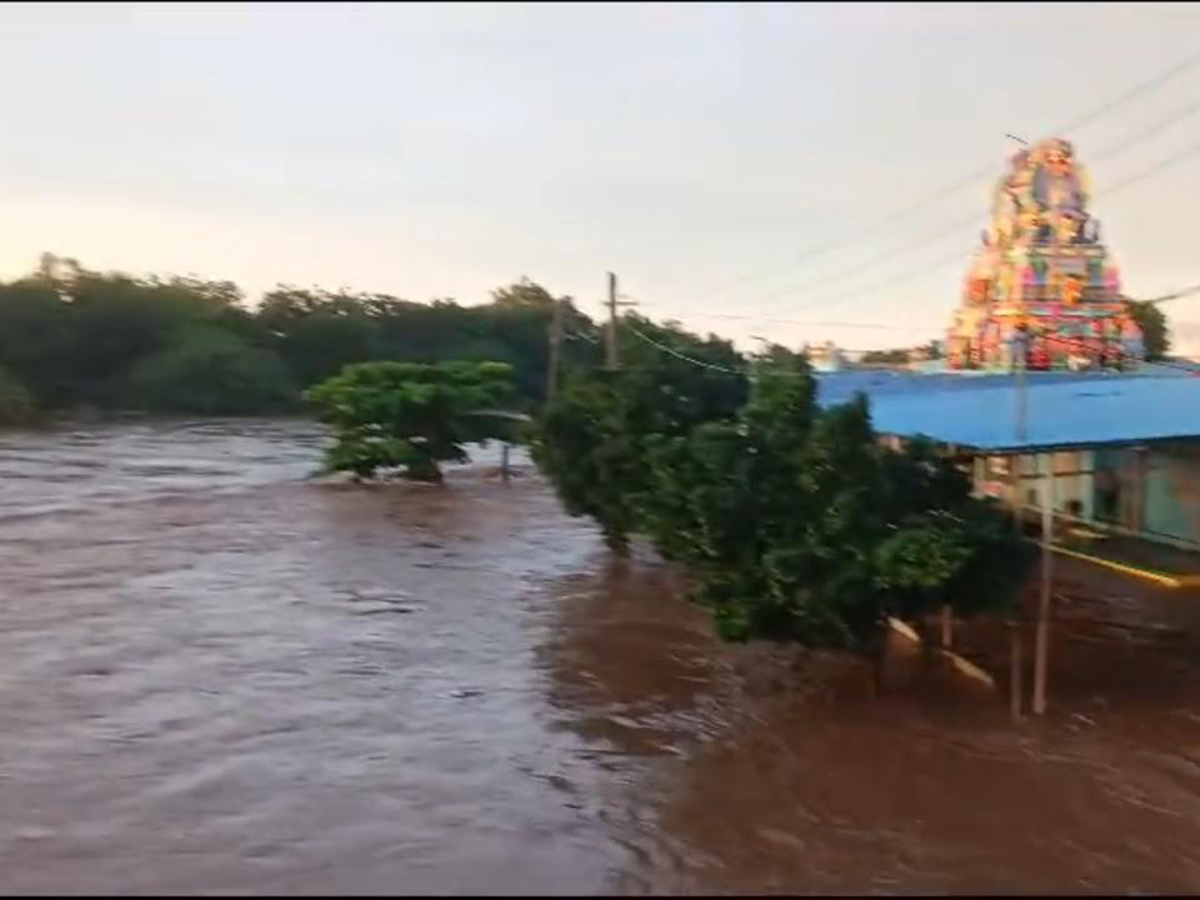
959 184
807 322
1153 170
1186 292
1160 125
959 224
1166 298
671 350
749 373
1156 168
881 326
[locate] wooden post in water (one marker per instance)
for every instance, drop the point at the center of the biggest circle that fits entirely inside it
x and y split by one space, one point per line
1042 646
504 462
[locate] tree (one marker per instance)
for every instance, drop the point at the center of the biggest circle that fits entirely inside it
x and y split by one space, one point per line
1156 339
590 438
410 416
794 521
17 405
37 340
318 333
207 371
74 336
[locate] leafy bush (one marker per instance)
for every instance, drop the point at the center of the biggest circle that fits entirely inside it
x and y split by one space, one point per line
410 416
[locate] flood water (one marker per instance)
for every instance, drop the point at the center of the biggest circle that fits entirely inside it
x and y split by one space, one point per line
220 675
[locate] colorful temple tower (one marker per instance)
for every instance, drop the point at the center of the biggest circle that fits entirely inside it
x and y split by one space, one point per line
1042 281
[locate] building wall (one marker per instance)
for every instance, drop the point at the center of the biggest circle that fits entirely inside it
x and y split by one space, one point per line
1073 481
1151 492
1172 492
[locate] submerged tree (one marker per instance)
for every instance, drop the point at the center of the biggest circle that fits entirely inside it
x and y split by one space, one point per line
409 417
796 523
590 440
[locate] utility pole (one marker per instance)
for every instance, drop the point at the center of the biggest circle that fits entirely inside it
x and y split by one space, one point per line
612 360
1042 636
1021 353
615 300
1021 349
556 335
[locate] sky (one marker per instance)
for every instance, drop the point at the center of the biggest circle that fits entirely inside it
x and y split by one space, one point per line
737 165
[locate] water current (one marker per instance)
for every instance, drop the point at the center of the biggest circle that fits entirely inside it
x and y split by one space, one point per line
219 674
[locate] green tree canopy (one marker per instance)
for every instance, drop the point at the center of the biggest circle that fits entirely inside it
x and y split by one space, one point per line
207 371
73 336
795 521
1153 322
589 439
410 416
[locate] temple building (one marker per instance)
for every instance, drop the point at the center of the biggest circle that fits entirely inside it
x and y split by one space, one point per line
1042 284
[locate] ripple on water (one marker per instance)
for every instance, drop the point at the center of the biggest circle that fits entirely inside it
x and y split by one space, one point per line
260 683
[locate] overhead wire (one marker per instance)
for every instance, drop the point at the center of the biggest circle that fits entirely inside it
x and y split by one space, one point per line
683 356
807 322
883 326
1175 295
958 224
943 261
750 373
1088 117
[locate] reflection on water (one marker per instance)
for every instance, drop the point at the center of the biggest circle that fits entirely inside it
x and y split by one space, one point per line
221 675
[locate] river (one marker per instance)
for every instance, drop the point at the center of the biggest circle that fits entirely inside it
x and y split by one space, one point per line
219 675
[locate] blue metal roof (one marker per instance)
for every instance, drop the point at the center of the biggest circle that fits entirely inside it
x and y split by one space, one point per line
1062 409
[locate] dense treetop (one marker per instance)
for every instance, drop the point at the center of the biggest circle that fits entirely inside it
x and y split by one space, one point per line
71 337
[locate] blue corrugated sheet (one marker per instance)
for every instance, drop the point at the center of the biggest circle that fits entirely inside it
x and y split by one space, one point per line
1063 409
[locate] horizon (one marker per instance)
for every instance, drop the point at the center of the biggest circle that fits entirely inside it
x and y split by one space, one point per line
703 153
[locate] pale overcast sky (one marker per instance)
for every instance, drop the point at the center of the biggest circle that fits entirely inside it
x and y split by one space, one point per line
701 151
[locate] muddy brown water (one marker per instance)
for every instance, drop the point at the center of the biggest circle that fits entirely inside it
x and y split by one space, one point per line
218 675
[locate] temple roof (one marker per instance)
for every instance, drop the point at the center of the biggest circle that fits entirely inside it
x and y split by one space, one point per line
1064 410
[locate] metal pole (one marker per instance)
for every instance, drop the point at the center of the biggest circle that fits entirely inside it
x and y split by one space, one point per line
1022 355
1014 624
613 361
1041 649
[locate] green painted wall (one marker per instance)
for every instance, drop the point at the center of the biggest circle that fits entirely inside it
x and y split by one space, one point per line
1173 493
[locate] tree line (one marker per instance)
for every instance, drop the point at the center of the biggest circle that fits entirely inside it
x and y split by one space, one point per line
73 338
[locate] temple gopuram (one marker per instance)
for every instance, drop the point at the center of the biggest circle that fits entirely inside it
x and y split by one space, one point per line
1042 283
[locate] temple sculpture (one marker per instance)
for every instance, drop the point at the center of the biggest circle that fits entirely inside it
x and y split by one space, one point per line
1042 283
